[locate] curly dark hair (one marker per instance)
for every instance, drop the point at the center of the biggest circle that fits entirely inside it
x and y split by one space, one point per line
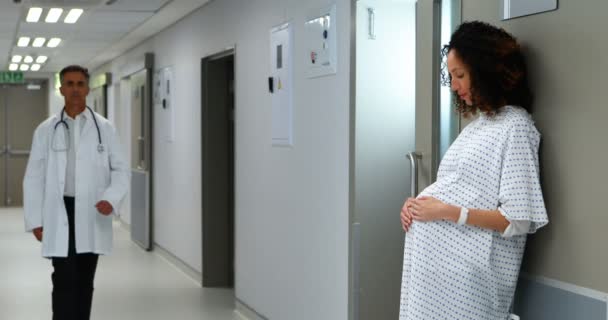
496 65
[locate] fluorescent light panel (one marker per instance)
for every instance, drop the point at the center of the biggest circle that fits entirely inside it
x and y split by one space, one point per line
35 67
53 42
24 67
16 58
53 15
33 15
41 59
73 16
23 42
13 67
28 59
38 42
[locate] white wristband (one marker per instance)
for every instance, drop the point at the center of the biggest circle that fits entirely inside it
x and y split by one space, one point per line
464 215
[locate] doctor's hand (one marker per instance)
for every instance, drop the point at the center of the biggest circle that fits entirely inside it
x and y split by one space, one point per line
428 209
104 207
406 215
38 233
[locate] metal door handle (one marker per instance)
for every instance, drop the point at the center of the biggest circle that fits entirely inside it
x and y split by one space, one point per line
142 159
414 156
19 152
14 152
371 23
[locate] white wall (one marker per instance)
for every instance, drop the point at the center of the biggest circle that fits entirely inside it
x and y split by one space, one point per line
291 203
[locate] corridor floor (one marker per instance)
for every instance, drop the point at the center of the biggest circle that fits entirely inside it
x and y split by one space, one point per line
131 284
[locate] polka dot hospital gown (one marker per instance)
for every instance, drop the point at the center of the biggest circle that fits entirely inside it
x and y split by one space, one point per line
465 272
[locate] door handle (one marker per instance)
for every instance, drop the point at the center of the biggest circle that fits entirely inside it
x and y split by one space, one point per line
414 157
14 152
142 158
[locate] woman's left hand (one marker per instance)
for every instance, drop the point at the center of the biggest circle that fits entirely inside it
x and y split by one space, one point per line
428 209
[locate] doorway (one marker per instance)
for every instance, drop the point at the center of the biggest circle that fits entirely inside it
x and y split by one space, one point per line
22 108
217 132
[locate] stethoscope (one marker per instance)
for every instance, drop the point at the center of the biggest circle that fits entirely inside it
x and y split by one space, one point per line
66 146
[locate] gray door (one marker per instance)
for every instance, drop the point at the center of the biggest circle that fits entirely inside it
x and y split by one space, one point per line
141 138
396 112
22 108
384 133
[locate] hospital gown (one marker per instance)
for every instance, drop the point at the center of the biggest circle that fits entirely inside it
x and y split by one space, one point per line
455 271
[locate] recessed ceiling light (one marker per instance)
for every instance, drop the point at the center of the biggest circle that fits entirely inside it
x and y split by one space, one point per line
41 59
24 67
23 42
13 67
16 58
53 42
53 15
28 59
33 15
73 16
35 67
38 42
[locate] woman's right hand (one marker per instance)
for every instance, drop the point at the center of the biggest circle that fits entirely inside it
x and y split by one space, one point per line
406 216
38 233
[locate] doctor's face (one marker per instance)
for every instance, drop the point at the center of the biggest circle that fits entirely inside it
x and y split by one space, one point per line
460 77
74 88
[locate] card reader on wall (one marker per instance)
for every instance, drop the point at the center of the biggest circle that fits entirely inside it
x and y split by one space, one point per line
271 84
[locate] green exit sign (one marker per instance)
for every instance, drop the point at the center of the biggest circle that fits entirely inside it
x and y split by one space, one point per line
11 77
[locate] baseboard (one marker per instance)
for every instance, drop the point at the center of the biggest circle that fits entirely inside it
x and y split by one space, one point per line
244 312
542 298
121 223
176 262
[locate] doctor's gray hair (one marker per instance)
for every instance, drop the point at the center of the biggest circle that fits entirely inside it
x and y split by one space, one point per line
74 68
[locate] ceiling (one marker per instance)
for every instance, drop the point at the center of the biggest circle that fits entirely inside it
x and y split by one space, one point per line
106 29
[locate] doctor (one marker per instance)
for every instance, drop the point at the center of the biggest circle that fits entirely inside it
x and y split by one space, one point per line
75 179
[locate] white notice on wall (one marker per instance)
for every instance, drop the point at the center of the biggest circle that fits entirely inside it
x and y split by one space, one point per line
321 43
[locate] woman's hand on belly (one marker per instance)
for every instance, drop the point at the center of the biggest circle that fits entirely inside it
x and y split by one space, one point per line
431 209
406 215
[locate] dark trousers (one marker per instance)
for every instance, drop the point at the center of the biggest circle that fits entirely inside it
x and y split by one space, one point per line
73 278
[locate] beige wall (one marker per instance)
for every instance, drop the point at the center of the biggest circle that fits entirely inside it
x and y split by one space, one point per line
566 52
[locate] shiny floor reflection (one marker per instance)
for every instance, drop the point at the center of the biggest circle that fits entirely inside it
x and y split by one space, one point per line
131 284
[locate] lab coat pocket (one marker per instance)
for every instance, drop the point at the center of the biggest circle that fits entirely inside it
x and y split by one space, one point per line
103 168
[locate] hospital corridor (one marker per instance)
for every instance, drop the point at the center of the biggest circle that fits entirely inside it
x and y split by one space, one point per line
131 283
303 160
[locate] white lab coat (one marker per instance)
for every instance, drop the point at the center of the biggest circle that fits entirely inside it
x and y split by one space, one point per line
99 176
